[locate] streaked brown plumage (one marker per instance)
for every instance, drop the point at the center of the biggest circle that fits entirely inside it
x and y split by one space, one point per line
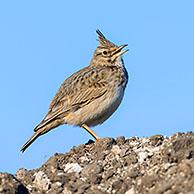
91 95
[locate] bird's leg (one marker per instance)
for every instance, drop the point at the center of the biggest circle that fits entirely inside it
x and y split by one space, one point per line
90 131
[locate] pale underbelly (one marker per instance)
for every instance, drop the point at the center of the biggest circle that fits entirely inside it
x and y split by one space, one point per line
97 111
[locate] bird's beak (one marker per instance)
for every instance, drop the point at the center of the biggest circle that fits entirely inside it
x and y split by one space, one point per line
119 52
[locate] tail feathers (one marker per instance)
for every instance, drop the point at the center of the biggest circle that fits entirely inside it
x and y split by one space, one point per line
41 131
30 141
49 119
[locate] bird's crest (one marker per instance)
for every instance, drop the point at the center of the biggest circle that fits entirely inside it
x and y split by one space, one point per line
103 41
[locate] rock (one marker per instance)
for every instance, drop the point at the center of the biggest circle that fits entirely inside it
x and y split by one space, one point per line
72 167
9 184
130 191
123 166
42 181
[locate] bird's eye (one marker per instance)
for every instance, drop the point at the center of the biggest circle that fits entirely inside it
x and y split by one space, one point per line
105 52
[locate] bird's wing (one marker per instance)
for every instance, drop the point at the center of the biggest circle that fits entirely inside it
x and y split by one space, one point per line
78 90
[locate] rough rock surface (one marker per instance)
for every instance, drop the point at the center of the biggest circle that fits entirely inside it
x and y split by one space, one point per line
152 165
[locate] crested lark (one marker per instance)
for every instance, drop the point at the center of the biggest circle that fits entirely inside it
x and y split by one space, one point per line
91 95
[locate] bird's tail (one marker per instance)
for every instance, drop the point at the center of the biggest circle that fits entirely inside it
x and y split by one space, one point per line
30 141
41 129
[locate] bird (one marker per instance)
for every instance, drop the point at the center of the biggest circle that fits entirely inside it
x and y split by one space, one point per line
91 95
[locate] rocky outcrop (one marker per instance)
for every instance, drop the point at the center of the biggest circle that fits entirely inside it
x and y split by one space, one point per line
9 184
152 165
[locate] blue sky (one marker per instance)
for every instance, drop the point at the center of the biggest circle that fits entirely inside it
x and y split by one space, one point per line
44 42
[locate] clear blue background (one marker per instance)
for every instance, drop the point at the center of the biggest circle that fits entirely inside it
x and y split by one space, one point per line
44 42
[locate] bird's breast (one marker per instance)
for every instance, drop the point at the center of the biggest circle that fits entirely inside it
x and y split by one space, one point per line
100 109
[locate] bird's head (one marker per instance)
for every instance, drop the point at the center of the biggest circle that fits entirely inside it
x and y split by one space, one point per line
107 52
